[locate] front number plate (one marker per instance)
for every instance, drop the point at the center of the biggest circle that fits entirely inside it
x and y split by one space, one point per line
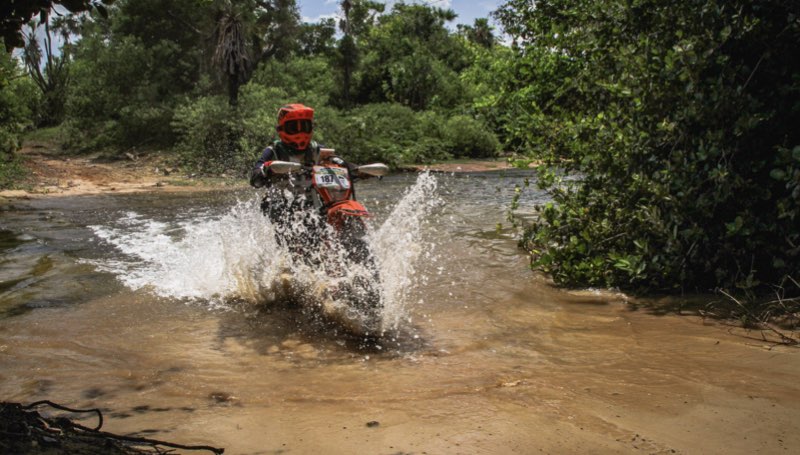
333 178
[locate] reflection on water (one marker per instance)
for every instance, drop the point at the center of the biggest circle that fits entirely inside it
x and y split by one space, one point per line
131 304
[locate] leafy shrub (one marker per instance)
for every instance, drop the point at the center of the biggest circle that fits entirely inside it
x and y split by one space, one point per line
11 170
208 135
387 132
215 138
258 112
681 123
17 100
468 137
306 79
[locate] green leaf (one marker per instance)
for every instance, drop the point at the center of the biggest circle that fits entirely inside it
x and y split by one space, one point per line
778 174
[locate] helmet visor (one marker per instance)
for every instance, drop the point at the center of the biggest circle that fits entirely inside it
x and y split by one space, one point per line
297 126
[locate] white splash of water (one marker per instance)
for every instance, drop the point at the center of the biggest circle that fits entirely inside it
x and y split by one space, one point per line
236 256
398 246
200 259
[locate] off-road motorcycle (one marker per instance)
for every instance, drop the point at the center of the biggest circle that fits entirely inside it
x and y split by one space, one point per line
341 246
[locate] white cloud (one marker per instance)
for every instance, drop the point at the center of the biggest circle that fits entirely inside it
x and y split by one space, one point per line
314 20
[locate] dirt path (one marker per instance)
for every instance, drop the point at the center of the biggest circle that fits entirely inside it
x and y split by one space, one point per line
52 173
468 166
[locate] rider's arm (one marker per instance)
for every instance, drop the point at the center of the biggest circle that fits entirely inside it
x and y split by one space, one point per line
260 176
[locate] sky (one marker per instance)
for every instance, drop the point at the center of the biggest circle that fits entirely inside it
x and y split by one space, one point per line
467 10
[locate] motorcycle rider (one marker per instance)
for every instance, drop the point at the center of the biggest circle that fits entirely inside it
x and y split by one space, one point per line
285 202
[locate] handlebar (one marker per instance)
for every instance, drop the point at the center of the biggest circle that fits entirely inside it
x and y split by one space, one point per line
286 167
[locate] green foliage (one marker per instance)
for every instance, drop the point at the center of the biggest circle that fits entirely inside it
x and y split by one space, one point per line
18 13
317 39
308 79
215 138
480 33
18 98
129 73
18 95
113 100
208 135
487 82
678 123
411 58
11 170
391 133
468 137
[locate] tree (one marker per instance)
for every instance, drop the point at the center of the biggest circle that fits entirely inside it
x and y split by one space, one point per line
359 16
231 53
131 69
678 123
480 33
250 32
50 71
317 39
17 13
411 58
18 97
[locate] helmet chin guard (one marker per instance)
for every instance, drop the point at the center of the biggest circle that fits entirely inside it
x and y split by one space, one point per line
295 125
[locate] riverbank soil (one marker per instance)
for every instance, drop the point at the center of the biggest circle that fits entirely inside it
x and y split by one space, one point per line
51 172
477 165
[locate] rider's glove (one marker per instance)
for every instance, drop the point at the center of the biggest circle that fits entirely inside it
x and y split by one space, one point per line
260 176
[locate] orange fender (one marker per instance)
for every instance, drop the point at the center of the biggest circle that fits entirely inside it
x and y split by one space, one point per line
343 209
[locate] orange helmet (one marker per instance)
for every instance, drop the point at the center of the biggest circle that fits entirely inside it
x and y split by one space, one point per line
295 123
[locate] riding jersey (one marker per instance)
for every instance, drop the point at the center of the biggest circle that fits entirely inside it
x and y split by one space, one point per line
282 152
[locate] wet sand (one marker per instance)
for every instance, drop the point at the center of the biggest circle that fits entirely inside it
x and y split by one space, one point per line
597 378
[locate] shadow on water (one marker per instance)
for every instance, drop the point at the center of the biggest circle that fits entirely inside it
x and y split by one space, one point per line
9 240
270 328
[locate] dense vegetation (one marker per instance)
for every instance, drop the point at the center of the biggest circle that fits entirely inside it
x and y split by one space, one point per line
668 131
681 123
205 78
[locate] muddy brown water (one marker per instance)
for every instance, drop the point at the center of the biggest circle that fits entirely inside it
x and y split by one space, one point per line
488 357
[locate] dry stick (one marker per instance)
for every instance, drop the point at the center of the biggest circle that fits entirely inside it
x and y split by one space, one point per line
64 408
153 442
787 340
95 432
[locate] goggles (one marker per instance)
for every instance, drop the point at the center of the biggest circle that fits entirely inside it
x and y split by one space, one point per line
297 126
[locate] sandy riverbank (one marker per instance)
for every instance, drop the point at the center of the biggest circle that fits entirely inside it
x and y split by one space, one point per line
51 173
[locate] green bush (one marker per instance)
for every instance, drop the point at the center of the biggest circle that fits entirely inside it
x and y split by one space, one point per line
208 135
679 122
387 132
11 170
214 138
306 79
258 112
468 137
18 96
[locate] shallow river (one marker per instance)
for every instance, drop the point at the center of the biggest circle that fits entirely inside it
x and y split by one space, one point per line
164 311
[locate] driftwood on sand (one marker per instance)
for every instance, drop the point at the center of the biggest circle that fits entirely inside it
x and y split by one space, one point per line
23 430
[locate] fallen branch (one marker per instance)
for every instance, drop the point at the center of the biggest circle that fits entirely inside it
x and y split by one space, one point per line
22 429
763 323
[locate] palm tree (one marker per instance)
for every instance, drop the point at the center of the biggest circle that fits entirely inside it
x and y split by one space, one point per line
231 54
